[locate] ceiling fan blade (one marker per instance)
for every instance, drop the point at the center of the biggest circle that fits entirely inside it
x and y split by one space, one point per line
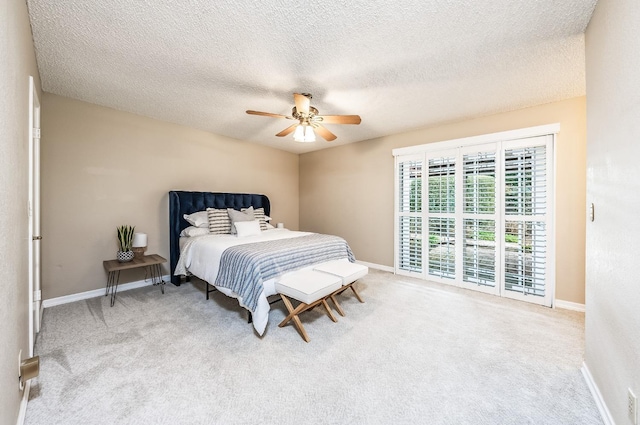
302 103
339 119
287 130
266 114
324 133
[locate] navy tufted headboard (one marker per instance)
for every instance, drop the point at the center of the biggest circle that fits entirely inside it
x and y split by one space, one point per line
181 202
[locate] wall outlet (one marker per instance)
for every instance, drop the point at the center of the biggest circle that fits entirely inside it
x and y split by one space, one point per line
632 406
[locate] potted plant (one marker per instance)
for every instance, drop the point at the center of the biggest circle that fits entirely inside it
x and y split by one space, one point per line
125 239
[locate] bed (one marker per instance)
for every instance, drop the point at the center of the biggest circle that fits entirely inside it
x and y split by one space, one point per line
243 267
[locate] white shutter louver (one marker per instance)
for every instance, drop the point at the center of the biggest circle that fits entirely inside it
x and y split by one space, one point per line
409 218
525 181
479 261
525 230
410 234
479 182
525 257
442 172
442 252
442 227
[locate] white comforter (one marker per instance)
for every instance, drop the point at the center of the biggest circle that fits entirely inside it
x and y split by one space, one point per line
201 255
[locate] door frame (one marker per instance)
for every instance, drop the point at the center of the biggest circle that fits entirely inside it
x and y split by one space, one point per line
34 237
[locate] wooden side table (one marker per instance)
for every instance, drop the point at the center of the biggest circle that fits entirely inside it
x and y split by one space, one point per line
114 267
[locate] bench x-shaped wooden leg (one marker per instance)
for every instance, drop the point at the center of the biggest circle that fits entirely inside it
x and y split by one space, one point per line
302 307
340 291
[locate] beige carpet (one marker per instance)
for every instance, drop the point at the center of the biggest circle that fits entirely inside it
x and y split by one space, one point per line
414 353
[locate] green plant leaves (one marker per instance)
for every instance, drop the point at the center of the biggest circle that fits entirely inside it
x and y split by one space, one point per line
125 237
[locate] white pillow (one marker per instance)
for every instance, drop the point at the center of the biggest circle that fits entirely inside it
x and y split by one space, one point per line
270 226
267 218
197 219
247 228
194 231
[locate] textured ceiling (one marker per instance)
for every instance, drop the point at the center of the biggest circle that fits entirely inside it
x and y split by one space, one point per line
399 64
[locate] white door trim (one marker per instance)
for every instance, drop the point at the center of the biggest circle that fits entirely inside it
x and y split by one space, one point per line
34 214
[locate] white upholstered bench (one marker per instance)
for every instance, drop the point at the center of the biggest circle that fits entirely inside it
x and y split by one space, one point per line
310 288
348 273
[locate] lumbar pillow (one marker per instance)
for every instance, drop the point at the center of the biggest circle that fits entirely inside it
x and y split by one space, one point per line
247 228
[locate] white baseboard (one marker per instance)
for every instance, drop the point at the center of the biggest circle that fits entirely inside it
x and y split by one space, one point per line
22 413
140 283
376 266
597 396
97 292
569 305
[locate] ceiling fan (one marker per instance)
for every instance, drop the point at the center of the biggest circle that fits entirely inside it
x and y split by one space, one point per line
308 120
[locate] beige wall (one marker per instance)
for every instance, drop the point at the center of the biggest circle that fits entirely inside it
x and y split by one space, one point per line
102 168
612 328
17 63
348 190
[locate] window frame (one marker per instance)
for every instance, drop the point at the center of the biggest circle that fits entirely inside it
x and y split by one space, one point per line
496 142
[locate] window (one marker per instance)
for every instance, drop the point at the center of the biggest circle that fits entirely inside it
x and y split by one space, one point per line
478 215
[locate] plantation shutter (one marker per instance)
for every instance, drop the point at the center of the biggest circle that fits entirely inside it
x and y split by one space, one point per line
409 205
442 222
479 218
526 181
479 215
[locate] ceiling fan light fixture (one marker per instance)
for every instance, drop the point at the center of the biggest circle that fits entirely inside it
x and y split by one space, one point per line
298 135
304 134
309 135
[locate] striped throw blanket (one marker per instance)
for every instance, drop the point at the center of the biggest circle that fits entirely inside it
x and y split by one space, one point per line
243 268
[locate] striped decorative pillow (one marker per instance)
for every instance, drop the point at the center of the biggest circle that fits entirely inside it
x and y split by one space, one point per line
219 221
259 215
